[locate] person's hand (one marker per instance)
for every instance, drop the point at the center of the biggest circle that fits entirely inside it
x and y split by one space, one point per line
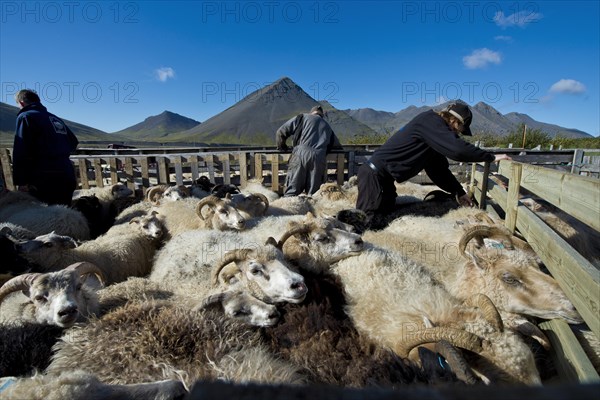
283 147
465 200
502 157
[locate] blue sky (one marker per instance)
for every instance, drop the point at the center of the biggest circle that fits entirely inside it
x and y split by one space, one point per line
111 64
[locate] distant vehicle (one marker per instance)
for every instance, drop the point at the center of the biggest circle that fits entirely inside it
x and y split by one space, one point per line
120 146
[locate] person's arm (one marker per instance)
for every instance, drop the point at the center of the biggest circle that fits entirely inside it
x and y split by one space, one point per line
438 170
22 157
285 131
72 139
443 140
334 143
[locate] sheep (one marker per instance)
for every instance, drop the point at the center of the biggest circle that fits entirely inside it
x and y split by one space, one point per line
162 340
57 298
256 186
187 214
201 188
332 198
13 263
26 211
198 258
26 347
398 304
502 270
106 195
256 205
158 193
318 336
79 385
125 250
91 208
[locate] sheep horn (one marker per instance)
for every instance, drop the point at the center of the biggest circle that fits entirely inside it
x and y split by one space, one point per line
264 199
480 231
85 268
211 300
456 337
532 330
207 201
457 362
153 191
298 230
21 282
229 257
490 312
484 217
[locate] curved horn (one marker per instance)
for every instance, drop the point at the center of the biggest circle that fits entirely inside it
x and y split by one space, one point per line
21 282
264 199
530 329
207 201
153 191
85 268
490 312
480 231
211 300
456 337
437 195
457 362
229 257
484 217
294 231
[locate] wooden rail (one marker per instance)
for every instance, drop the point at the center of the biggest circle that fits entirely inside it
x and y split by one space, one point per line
580 197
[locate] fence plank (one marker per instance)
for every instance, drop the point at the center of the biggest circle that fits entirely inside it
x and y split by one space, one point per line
275 173
340 169
258 166
83 177
226 168
98 172
114 177
193 160
7 169
243 169
577 161
129 174
163 171
512 200
144 163
178 170
210 165
568 356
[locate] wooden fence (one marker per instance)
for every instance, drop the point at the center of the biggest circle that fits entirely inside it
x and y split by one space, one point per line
576 195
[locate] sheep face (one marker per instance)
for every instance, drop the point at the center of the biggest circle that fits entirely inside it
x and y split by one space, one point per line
245 308
150 226
50 240
59 298
174 193
119 190
267 276
225 216
515 283
249 203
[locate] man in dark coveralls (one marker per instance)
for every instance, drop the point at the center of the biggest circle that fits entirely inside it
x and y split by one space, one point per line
313 139
43 143
424 143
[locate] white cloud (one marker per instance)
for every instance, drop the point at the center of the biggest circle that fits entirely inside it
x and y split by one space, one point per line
503 38
570 86
480 58
164 73
520 19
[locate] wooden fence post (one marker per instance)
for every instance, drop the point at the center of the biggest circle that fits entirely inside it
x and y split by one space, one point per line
6 169
484 186
577 161
512 200
243 169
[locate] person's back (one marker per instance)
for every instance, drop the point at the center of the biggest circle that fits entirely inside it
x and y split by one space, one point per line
41 150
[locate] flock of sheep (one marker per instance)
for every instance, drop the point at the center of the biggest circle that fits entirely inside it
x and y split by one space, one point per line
140 299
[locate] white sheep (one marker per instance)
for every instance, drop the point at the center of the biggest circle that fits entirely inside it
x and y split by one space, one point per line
398 304
256 186
57 298
502 269
189 214
256 205
125 250
26 211
157 194
192 258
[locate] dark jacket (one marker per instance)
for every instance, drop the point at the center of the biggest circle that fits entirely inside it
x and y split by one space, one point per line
43 143
316 133
424 143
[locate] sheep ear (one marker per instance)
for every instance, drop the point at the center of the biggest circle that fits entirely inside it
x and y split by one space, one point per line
154 212
271 241
211 301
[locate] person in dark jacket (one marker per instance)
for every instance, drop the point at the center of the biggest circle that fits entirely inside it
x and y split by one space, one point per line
43 143
313 140
424 143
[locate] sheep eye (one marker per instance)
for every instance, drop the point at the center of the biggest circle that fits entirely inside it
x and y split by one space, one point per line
40 299
256 271
510 279
321 238
239 313
223 212
79 286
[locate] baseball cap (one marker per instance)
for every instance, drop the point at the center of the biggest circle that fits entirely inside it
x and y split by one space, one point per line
464 115
318 109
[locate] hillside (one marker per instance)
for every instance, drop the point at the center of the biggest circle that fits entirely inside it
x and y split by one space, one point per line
8 117
486 120
254 119
159 126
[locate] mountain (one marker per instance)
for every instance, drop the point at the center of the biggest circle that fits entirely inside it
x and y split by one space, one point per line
159 126
551 129
486 120
8 117
255 118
